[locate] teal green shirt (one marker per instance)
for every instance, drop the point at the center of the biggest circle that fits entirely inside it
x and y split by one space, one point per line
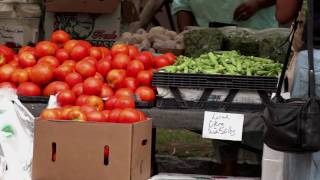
206 11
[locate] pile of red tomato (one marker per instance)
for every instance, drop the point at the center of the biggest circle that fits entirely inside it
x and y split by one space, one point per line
79 74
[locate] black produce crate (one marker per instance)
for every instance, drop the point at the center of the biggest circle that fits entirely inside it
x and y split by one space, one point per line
35 104
34 99
202 81
142 104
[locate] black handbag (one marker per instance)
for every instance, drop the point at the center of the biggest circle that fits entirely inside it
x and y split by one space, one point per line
294 125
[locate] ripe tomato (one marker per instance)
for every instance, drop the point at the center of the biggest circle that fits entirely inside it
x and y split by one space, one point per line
62 55
73 78
19 76
65 113
95 116
78 89
55 87
106 114
131 83
92 86
96 53
14 62
77 115
66 97
61 72
71 63
41 74
46 48
119 48
120 61
60 37
95 102
85 69
103 67
161 61
99 76
28 89
143 117
85 44
109 104
172 58
116 77
146 59
5 72
7 85
2 59
81 100
32 50
124 102
145 78
69 45
129 115
124 92
50 114
7 52
145 93
86 109
79 52
133 51
105 52
134 68
50 60
26 59
106 91
90 60
114 115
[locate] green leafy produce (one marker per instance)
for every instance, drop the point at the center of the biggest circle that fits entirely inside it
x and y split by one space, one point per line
225 63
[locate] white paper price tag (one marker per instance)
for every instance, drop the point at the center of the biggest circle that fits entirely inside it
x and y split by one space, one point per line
223 126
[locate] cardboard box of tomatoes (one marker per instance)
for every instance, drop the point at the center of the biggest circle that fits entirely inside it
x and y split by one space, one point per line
88 150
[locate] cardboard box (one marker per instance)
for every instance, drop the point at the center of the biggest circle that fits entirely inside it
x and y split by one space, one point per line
99 29
78 150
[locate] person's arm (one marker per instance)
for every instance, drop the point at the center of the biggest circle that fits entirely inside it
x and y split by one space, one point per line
286 10
250 7
184 19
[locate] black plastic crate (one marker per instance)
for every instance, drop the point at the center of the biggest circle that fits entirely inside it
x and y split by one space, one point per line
202 81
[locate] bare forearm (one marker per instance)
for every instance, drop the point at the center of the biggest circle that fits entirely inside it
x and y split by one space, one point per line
150 10
185 18
286 10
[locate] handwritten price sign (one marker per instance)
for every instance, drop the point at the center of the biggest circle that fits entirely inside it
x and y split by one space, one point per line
223 126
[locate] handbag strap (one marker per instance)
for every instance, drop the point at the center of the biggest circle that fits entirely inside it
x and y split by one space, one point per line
310 27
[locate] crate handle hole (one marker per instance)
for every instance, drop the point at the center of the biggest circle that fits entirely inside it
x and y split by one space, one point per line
53 152
106 155
144 142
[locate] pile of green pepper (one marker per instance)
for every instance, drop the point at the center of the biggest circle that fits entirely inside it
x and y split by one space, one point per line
225 63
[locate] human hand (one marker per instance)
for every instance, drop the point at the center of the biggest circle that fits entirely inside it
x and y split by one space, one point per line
246 10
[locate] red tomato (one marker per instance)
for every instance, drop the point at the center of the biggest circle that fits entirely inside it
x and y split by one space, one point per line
92 86
161 61
109 104
55 87
134 68
146 59
60 37
77 115
2 59
129 115
120 61
99 77
95 116
124 92
85 69
90 60
26 59
95 102
61 72
143 117
125 102
114 115
73 78
7 52
120 48
145 78
69 45
87 109
65 113
41 74
5 72
29 49
85 44
19 76
62 55
106 114
105 52
103 67
14 62
116 77
78 89
131 83
50 60
81 100
145 93
71 63
106 91
96 53
79 52
50 114
28 89
66 97
172 58
133 51
46 48
7 85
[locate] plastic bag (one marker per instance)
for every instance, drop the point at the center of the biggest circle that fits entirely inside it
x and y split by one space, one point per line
272 164
16 137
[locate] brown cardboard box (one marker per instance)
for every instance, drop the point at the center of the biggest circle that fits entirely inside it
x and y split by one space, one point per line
85 6
80 146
